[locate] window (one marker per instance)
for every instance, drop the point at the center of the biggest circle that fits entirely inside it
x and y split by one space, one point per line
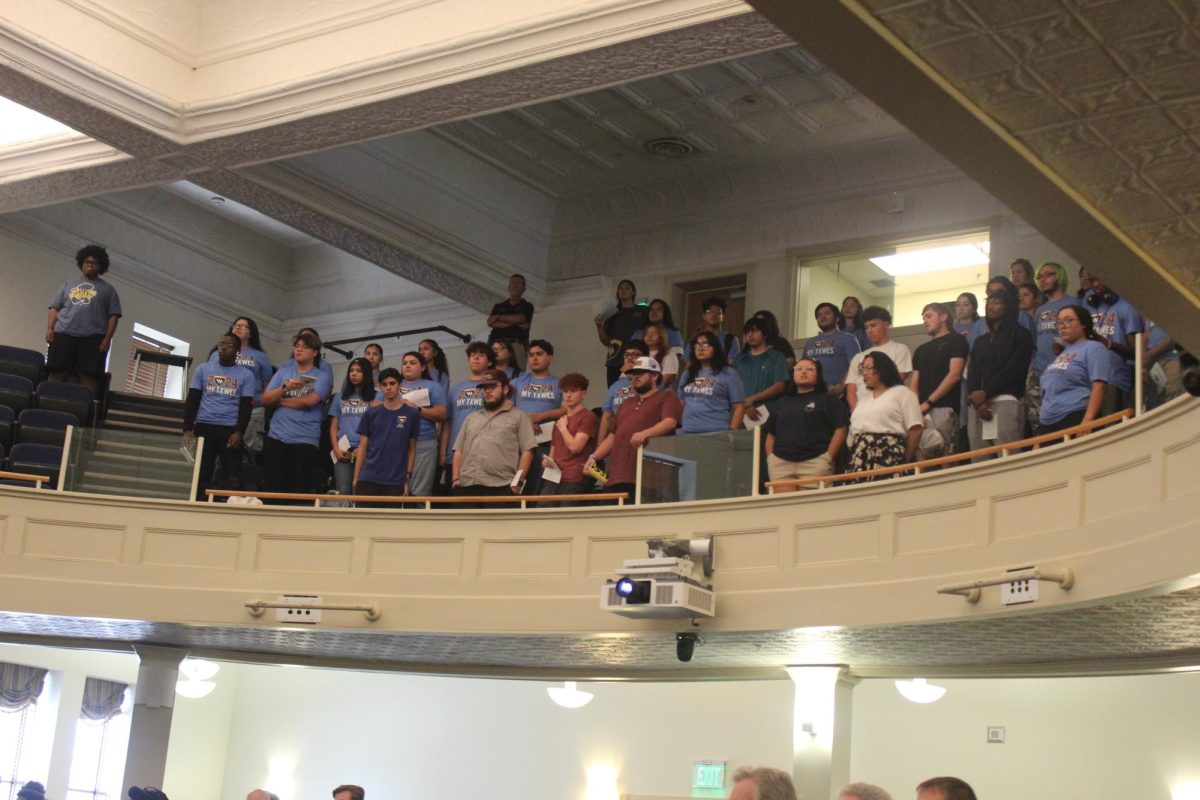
902 278
24 750
163 376
98 759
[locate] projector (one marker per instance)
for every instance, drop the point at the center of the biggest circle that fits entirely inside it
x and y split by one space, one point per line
662 586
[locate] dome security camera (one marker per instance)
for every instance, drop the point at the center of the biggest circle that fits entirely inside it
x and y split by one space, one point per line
685 645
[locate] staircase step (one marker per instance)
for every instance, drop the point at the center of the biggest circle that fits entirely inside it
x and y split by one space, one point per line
133 481
99 488
143 457
116 424
166 449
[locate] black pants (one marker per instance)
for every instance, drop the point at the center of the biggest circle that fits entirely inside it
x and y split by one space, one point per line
1069 421
484 491
215 437
288 468
565 488
372 489
628 488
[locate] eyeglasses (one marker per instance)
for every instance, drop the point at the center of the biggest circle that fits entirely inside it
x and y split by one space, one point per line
867 369
1066 323
698 345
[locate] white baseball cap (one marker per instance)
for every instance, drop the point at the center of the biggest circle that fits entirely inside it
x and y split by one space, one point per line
646 364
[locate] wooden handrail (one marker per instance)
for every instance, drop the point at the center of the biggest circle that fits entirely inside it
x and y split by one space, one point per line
355 498
1033 442
22 476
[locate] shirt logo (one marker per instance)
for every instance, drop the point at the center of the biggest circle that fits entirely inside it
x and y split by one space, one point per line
83 294
223 385
354 406
622 394
1063 361
539 391
245 361
704 385
309 383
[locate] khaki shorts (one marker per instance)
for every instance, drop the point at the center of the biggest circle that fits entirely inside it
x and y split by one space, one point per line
780 470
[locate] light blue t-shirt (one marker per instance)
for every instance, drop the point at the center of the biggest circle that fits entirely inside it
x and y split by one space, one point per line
437 397
833 350
257 362
221 392
348 411
708 400
1046 319
465 399
1067 381
535 395
1156 336
1116 321
300 425
84 306
441 378
618 393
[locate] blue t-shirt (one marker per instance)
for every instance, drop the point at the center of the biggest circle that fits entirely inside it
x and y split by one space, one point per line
442 379
1116 321
1046 319
1067 381
860 335
257 362
221 392
84 306
322 365
465 399
833 350
729 343
708 400
618 393
1154 337
535 395
437 397
300 425
390 434
348 412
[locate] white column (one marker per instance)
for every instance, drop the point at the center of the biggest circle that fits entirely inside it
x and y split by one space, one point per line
65 696
150 725
821 730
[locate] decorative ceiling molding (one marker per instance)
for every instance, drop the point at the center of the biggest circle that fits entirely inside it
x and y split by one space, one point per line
67 152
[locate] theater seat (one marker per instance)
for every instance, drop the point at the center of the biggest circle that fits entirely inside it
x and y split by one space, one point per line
39 426
16 392
28 364
36 459
69 397
8 421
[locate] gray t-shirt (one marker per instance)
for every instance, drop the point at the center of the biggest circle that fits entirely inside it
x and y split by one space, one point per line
84 306
491 446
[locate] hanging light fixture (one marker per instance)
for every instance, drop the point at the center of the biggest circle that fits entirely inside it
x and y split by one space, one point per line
195 682
919 690
569 695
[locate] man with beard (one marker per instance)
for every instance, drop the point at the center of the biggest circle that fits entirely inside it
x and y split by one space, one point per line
495 446
649 413
996 380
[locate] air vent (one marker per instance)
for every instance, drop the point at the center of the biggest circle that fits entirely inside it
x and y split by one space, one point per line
671 147
883 283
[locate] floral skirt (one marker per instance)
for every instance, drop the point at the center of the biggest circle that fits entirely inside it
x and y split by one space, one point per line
875 450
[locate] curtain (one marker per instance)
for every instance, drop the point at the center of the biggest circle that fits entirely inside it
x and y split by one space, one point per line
102 699
20 686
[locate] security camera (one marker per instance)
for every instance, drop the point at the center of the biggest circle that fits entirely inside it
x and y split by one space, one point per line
685 645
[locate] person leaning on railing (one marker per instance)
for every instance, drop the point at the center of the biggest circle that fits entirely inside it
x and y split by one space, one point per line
886 426
1074 383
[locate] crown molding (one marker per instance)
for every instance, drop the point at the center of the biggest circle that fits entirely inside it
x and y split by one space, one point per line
69 151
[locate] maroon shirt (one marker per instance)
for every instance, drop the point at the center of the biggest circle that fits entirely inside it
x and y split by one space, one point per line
637 414
572 465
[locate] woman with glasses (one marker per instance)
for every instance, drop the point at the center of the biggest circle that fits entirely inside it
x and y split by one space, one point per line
711 391
1074 384
886 425
505 358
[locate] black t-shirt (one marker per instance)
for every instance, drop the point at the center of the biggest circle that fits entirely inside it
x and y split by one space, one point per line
803 424
782 345
932 361
513 333
620 327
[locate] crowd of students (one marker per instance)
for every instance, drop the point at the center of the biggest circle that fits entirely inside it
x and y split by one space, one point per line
1038 360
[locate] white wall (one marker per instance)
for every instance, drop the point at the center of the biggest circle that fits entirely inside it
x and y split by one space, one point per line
1110 737
461 739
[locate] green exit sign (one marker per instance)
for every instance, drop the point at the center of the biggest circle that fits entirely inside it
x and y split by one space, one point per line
708 774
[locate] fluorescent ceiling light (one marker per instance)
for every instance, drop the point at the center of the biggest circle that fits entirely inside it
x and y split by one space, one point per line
194 690
918 690
934 259
20 124
568 696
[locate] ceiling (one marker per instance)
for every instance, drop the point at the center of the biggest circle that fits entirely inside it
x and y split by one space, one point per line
1138 635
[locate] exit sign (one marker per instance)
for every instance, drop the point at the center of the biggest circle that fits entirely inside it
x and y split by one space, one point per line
708 774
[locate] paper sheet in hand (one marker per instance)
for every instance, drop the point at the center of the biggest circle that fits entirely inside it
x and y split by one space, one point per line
418 397
751 424
551 471
343 443
544 432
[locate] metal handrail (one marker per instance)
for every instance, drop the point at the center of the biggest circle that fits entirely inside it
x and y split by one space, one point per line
319 499
466 338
